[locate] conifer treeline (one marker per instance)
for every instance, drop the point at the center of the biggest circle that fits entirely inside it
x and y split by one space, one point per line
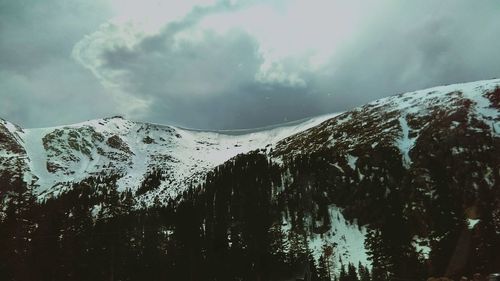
230 228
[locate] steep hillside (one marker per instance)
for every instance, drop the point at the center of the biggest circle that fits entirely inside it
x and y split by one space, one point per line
403 188
53 158
401 120
421 169
13 158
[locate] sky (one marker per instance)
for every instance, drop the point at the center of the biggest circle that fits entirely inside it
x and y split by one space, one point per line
228 64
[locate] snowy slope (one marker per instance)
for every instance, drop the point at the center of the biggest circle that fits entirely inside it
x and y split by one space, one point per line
13 159
399 119
115 146
346 237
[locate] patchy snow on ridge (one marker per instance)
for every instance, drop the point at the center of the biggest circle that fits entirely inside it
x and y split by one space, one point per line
398 120
116 146
52 157
474 91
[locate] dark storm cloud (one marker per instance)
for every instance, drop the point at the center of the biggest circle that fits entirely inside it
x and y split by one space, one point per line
204 82
207 83
210 82
250 107
198 77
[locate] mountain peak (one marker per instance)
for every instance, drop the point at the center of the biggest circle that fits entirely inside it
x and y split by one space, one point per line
132 150
114 146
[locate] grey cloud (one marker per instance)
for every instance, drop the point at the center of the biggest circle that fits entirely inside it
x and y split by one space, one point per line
209 80
193 69
165 37
56 94
253 105
206 82
40 84
199 84
417 46
35 32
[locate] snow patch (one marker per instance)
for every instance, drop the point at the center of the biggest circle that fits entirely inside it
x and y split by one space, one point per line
471 223
422 246
347 240
351 161
186 155
38 158
405 143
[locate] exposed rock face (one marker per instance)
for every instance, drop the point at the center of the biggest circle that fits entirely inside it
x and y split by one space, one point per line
13 159
10 142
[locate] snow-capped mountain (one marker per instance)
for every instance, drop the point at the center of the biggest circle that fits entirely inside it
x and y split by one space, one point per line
406 186
400 120
434 153
49 158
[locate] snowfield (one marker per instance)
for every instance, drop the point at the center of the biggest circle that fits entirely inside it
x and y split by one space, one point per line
116 146
183 155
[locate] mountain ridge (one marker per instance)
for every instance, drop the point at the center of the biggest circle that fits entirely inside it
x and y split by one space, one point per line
83 145
400 187
89 135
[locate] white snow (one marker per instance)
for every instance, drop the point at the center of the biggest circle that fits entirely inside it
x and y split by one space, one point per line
422 246
10 127
490 115
405 143
186 154
418 103
351 161
347 240
336 165
473 90
471 223
38 157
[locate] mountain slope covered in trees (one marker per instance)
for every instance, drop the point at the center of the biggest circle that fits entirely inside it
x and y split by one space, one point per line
403 188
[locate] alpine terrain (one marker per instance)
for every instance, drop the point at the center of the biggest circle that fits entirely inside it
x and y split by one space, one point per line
403 188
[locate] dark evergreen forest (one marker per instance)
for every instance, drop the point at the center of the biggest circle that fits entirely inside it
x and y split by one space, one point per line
230 228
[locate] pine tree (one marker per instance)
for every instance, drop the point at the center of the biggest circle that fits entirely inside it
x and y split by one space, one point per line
364 273
279 247
351 273
16 231
323 270
377 253
298 248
